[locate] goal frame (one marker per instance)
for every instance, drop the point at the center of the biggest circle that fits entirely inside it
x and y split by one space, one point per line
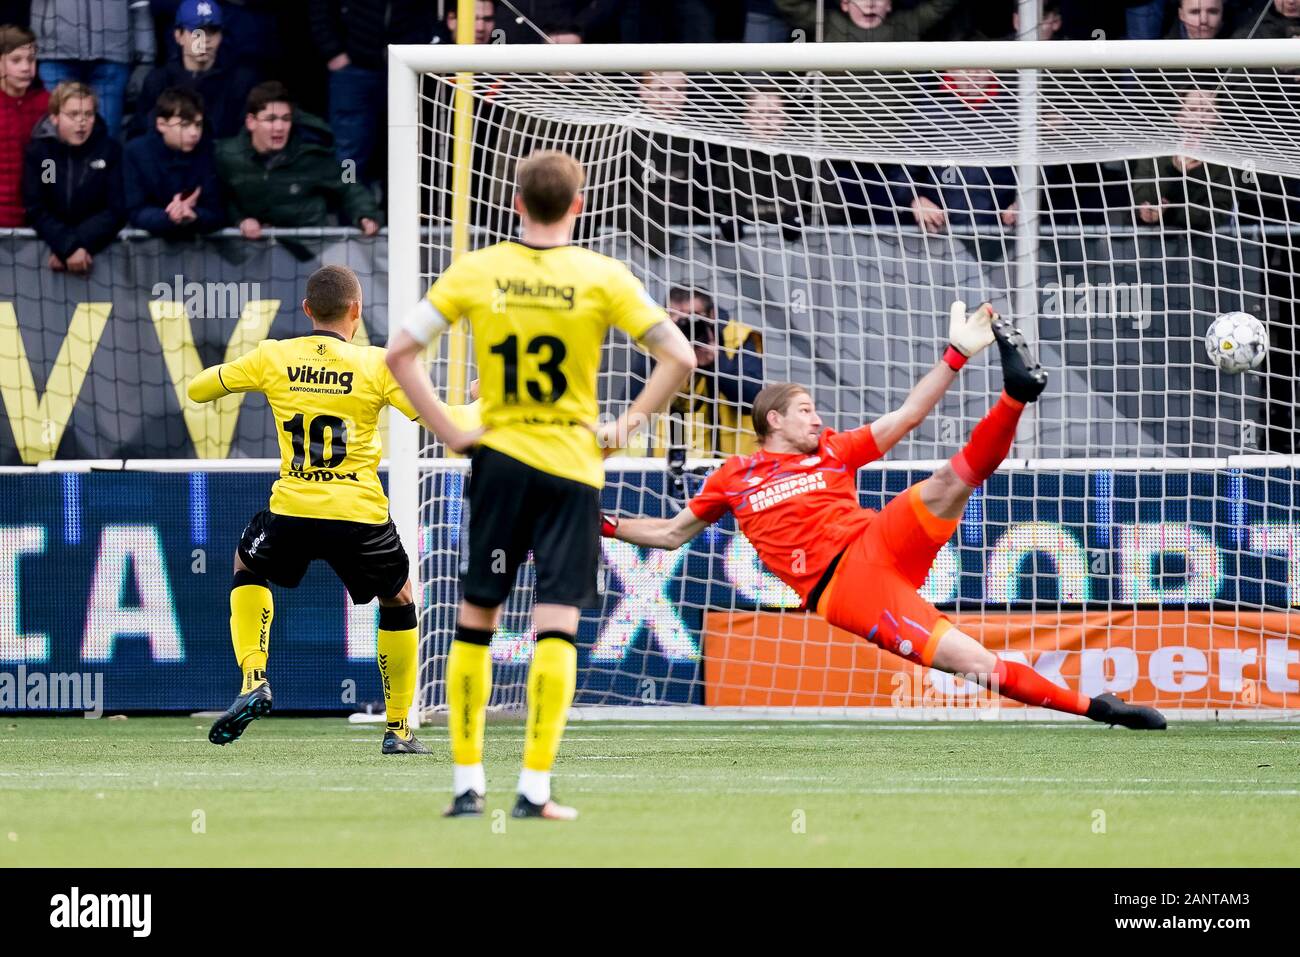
407 63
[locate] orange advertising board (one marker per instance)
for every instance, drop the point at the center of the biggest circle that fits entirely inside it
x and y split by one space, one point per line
1162 657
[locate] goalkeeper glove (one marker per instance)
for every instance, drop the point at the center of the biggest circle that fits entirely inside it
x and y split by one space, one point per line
968 335
608 525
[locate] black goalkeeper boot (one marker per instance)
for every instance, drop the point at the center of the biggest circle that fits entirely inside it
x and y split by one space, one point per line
1109 709
1022 377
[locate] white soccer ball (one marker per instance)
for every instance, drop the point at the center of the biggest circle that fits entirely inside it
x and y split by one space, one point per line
1236 341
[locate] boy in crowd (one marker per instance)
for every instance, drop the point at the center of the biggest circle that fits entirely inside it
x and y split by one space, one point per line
72 180
171 178
281 170
198 63
22 106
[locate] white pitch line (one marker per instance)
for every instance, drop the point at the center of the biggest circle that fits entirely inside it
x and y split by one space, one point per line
731 792
723 789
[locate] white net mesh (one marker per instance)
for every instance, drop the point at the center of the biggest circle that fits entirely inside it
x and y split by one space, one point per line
817 226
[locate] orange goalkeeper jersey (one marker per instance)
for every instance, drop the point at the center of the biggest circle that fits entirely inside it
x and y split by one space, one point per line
798 511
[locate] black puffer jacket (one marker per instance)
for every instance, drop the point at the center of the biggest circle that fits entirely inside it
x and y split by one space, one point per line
224 90
73 194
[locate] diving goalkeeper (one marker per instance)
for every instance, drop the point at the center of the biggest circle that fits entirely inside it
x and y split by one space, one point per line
796 501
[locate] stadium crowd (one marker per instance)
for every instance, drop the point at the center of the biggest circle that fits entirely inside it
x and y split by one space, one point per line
181 117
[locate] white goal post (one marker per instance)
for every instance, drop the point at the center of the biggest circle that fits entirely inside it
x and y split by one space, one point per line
1144 537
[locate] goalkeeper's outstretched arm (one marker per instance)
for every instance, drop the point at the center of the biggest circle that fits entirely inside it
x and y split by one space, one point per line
968 335
666 533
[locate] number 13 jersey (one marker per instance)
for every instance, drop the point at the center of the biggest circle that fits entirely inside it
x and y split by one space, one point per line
539 318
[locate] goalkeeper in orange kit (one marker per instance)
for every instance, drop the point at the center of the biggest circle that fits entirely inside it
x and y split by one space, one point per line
796 500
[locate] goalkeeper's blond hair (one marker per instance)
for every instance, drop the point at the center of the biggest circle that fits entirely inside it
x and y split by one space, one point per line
774 398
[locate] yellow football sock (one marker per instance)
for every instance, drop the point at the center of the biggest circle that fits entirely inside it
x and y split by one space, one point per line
551 682
397 652
251 612
469 685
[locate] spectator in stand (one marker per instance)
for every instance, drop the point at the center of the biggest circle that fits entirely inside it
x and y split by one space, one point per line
94 42
1049 23
72 180
753 186
1145 19
764 23
204 63
874 20
1281 19
666 190
967 110
170 175
281 170
485 14
716 405
543 14
22 106
1182 191
562 33
861 193
352 36
1198 20
252 31
668 21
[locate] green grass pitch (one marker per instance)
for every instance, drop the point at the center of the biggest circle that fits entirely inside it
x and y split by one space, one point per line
152 791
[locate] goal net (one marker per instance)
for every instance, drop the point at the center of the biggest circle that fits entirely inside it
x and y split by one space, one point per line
811 220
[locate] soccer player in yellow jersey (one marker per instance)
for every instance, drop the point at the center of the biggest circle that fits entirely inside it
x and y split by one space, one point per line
327 395
539 309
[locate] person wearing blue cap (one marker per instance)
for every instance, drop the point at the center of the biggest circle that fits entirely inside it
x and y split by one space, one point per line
205 64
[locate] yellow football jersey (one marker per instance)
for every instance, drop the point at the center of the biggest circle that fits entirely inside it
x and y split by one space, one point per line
326 395
539 318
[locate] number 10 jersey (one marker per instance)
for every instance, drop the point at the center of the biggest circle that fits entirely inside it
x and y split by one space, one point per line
326 395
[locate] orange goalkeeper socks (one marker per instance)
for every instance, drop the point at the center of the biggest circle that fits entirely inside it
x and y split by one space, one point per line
1022 683
990 441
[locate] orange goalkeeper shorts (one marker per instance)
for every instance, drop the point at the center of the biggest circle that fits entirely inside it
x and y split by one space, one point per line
873 590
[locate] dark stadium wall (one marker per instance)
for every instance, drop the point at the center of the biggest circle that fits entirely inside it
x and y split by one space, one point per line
147 318
1121 319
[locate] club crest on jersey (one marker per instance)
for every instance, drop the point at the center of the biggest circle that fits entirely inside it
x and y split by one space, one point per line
320 349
